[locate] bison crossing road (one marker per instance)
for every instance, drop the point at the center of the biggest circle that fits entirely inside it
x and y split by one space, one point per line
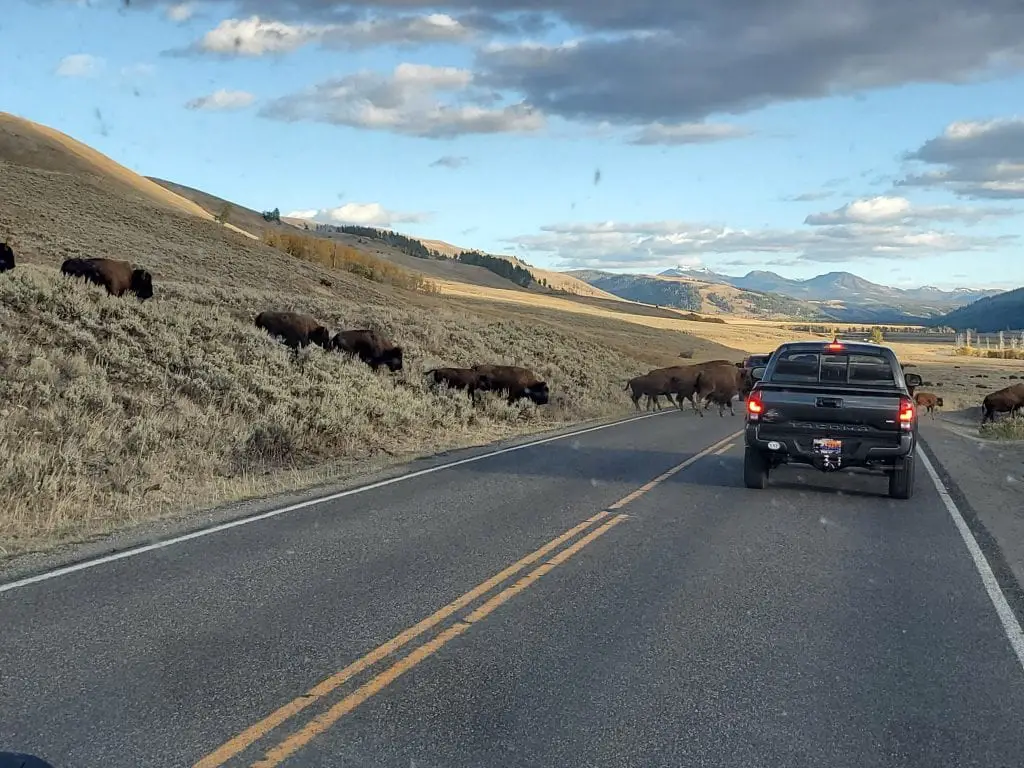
716 381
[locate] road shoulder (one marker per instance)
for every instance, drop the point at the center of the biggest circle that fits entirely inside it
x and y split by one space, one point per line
151 532
985 478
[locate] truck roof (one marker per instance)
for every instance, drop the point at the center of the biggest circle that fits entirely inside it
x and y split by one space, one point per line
865 347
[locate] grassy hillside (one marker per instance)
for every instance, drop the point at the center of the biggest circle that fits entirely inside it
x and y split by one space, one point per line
700 296
1004 311
116 411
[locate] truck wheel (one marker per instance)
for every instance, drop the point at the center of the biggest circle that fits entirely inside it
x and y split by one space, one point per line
901 479
755 469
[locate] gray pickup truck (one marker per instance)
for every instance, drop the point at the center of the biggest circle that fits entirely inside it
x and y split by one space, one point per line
833 406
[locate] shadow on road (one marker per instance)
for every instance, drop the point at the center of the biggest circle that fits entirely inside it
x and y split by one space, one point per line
727 472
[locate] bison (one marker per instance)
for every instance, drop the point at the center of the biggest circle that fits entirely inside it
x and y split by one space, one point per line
460 378
295 328
654 385
518 382
115 275
370 346
929 401
686 380
721 383
1008 399
6 257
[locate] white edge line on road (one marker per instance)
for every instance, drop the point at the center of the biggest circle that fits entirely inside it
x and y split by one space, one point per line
1011 626
65 570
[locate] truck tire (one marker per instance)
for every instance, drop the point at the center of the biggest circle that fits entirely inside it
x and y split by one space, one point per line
755 469
901 479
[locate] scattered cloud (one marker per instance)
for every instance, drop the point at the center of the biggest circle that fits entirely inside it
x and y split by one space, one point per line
688 133
973 159
898 210
180 12
810 197
258 36
623 245
737 57
222 100
414 100
79 65
450 161
368 214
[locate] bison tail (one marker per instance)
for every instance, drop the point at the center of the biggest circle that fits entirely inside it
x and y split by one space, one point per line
428 373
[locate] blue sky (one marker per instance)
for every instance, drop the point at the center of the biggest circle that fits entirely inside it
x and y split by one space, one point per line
343 115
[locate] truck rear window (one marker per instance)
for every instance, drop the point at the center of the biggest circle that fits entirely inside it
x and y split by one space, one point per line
813 368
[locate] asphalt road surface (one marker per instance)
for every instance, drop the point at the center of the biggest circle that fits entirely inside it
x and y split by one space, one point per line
614 598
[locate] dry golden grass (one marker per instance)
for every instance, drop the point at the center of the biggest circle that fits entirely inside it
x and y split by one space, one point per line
746 335
116 411
49 149
330 254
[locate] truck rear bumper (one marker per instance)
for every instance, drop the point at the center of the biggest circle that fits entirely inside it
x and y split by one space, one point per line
857 452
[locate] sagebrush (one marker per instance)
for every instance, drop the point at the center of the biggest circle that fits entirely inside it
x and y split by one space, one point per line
114 409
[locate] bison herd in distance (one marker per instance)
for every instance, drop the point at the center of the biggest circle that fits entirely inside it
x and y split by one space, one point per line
716 381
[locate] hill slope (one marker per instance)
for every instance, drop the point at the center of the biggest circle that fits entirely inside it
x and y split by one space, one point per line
1002 312
115 411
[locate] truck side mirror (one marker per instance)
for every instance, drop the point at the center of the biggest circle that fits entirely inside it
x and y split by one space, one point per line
912 379
757 373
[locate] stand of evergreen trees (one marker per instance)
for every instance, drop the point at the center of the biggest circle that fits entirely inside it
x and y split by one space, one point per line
406 245
499 266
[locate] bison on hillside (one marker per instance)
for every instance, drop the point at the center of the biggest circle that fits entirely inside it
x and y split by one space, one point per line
460 378
928 401
294 328
6 257
117 276
370 346
518 382
1008 399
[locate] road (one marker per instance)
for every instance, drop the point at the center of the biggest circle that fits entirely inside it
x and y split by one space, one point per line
614 598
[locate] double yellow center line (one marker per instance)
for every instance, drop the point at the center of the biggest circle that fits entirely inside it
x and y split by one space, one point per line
295 741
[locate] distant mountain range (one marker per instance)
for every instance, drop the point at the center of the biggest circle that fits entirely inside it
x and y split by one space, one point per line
841 296
1004 311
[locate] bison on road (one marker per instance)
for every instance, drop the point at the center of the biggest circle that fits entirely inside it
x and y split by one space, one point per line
294 328
1008 399
460 378
721 383
518 382
117 276
653 385
372 347
928 401
6 257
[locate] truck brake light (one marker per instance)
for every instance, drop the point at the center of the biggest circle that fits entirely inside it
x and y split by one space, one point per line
754 405
906 412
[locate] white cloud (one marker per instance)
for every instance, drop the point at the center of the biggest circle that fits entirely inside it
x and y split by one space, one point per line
79 65
625 245
222 100
688 133
180 12
256 36
414 100
368 214
898 210
973 159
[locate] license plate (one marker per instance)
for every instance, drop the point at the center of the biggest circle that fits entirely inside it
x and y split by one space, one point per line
827 446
